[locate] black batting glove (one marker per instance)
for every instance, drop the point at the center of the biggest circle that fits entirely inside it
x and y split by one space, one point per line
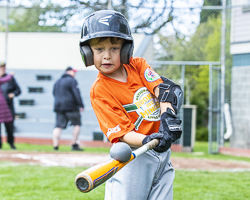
169 131
170 125
164 141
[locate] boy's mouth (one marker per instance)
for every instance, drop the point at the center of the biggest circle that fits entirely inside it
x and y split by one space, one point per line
106 64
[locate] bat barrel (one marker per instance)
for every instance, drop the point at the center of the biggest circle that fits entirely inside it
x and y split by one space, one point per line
82 184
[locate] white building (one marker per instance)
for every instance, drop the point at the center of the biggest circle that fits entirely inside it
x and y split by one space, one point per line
240 95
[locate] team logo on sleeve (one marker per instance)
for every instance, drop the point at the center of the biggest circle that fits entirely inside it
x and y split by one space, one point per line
113 130
150 75
146 106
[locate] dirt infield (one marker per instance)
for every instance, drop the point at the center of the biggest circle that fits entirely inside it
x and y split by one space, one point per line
90 159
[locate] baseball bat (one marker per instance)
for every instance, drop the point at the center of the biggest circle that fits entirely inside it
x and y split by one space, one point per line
100 173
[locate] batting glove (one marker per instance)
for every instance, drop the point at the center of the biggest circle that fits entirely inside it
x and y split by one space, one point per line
170 125
169 131
164 141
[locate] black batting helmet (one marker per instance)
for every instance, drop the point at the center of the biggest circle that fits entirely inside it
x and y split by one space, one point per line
105 23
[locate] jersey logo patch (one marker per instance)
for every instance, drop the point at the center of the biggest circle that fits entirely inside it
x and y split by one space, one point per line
145 105
104 20
113 130
150 75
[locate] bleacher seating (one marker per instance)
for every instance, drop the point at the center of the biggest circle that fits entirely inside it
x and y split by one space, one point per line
34 107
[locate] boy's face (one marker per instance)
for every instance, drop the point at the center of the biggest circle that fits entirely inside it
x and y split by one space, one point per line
106 55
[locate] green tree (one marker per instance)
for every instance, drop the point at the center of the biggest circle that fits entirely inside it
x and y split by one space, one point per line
210 12
34 19
145 16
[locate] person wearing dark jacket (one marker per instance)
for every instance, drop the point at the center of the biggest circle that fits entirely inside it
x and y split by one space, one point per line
68 104
9 90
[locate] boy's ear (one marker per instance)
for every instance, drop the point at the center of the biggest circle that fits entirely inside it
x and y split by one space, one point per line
87 55
126 52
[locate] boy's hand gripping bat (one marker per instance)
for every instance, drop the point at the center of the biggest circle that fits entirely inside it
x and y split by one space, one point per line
98 174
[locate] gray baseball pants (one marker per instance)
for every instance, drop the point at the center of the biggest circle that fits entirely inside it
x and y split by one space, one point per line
149 177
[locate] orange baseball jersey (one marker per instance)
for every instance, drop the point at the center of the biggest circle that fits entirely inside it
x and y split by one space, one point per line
122 107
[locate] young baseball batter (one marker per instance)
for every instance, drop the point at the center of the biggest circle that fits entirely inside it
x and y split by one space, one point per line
133 104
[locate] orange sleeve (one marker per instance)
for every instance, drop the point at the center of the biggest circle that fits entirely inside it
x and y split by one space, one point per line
148 76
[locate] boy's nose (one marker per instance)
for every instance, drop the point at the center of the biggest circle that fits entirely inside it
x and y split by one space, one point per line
107 54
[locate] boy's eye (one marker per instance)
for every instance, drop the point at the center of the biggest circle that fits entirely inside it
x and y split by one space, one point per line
99 49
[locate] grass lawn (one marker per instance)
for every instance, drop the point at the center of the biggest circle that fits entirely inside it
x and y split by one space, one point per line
203 185
28 182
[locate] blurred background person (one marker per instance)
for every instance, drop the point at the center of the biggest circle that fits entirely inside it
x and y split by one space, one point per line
68 105
9 89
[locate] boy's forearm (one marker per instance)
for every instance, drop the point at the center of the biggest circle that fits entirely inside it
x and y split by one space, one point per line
133 138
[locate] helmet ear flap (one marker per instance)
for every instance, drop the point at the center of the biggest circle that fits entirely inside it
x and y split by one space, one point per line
126 52
87 55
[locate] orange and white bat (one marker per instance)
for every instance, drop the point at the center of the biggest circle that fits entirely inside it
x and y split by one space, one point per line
98 174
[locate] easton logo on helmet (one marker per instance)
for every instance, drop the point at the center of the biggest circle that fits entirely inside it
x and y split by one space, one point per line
104 20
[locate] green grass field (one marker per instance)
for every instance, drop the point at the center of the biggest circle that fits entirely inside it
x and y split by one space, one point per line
28 182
